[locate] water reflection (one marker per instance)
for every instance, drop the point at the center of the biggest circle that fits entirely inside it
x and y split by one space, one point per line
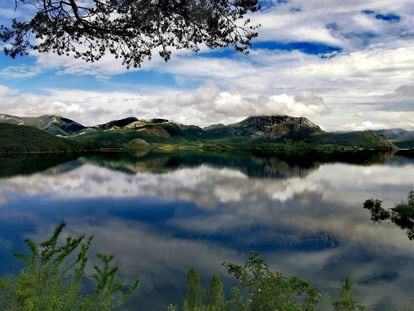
164 213
401 215
27 164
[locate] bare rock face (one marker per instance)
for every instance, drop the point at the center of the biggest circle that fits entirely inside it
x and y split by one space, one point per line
116 124
154 131
290 125
277 126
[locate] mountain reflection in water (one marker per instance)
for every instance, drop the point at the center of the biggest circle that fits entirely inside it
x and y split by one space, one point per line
162 213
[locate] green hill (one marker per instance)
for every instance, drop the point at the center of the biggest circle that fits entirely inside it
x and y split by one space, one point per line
24 139
366 140
404 143
54 125
261 133
403 139
265 126
266 134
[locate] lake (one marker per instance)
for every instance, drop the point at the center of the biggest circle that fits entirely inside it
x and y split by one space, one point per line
164 213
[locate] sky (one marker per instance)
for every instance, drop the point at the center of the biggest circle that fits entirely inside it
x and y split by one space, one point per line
346 65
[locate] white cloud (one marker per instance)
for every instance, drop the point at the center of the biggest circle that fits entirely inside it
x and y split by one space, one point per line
364 125
336 22
405 91
266 82
203 106
20 72
86 107
207 105
4 90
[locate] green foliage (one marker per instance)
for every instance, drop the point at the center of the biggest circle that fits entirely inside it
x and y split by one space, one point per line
164 135
365 140
268 290
263 290
239 136
23 139
216 293
194 297
53 275
196 300
346 302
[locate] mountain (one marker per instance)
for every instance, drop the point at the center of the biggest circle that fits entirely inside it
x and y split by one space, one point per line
116 124
258 126
396 134
401 138
153 127
270 126
259 133
367 140
24 139
54 125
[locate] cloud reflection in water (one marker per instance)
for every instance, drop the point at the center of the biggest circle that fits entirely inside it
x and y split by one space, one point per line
305 220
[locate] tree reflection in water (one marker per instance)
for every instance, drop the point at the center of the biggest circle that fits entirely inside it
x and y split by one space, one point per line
402 214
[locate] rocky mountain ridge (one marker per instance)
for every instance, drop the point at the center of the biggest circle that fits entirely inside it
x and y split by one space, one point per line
51 124
255 132
274 126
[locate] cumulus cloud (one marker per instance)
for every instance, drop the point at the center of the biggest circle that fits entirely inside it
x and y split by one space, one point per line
373 66
332 91
335 22
82 106
203 106
364 125
208 104
347 77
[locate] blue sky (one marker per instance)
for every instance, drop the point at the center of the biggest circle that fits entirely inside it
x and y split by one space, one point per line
347 65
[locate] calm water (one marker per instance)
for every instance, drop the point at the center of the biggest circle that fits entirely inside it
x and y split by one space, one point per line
162 214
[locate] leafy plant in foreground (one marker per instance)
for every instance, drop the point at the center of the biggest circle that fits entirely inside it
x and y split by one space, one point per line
53 276
270 290
266 290
346 302
263 290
